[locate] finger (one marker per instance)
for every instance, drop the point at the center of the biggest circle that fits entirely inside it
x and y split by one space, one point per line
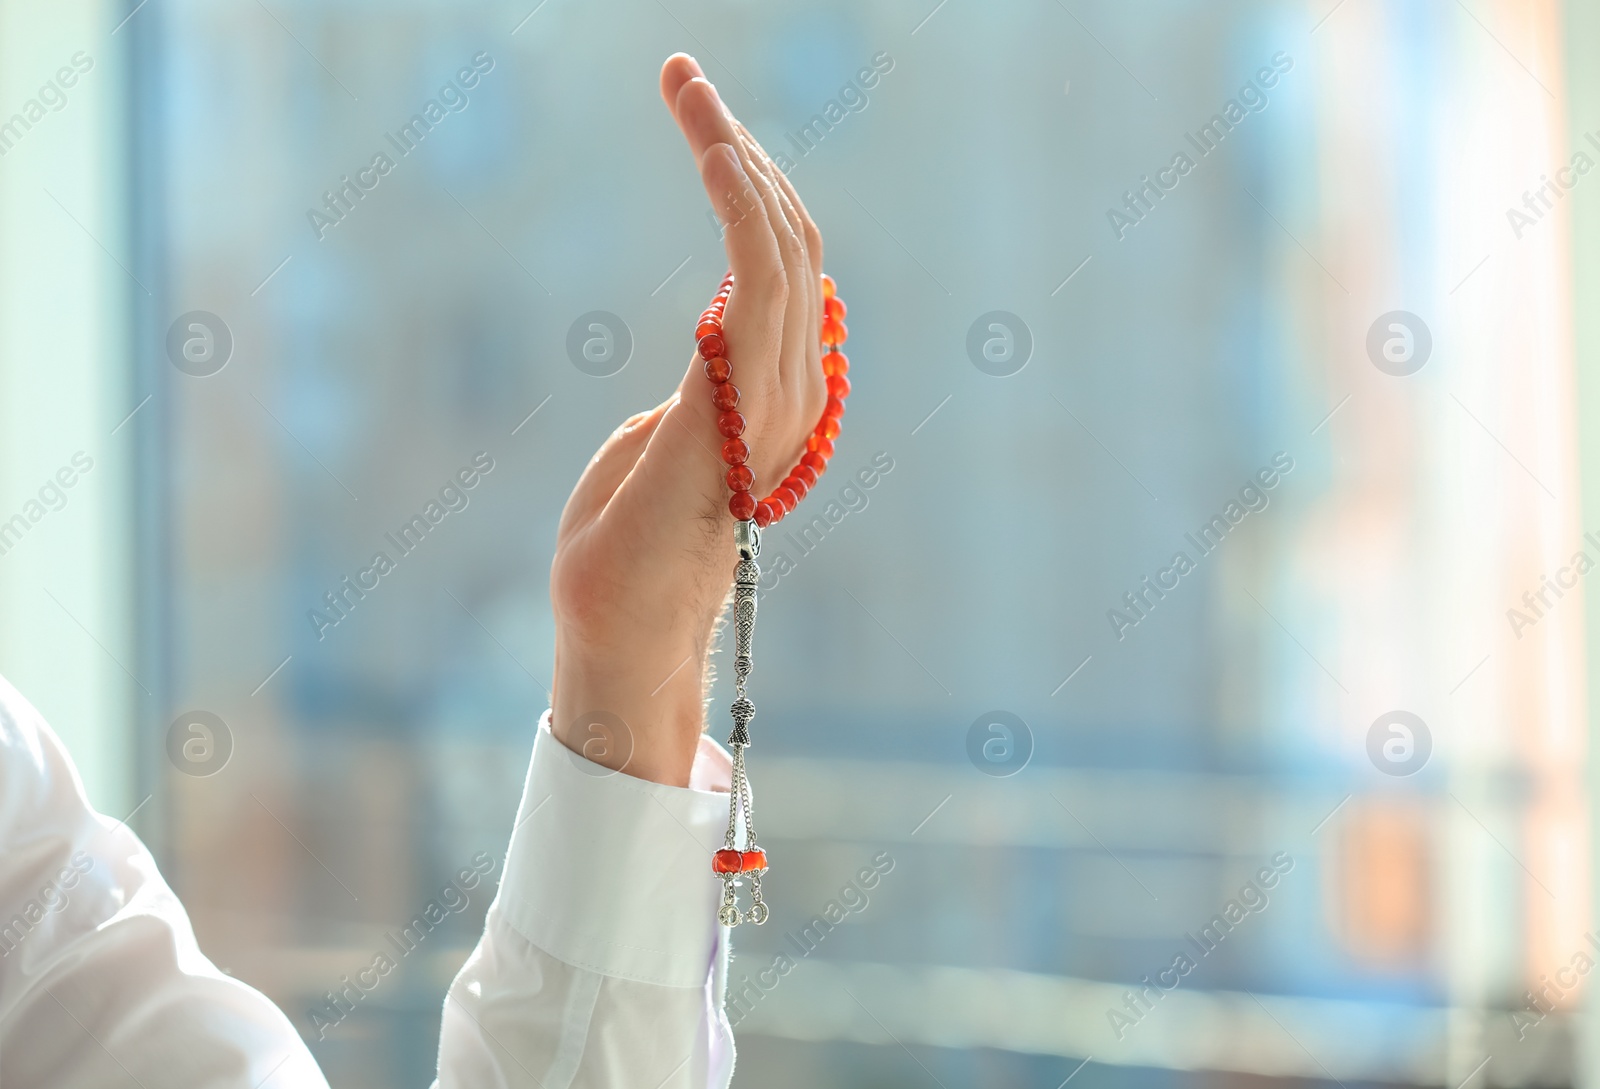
678 69
744 201
610 466
706 121
748 237
704 130
786 227
812 237
808 229
756 311
802 357
702 117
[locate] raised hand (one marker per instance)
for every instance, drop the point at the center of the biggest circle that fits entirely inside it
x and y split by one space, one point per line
644 553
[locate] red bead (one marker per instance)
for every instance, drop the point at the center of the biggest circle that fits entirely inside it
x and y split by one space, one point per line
740 478
726 861
753 861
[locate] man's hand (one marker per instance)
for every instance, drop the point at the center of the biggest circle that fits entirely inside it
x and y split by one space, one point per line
644 555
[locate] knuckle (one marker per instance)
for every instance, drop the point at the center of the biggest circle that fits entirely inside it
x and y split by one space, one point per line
775 292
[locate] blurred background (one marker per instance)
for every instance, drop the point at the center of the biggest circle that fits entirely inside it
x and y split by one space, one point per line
1290 291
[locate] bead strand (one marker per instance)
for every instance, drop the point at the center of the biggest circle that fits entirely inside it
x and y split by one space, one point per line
742 503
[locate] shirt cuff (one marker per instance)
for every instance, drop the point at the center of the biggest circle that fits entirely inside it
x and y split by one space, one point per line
613 874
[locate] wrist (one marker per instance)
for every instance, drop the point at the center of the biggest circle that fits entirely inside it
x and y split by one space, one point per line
630 709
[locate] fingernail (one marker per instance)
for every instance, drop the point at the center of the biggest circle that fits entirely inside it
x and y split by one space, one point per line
714 90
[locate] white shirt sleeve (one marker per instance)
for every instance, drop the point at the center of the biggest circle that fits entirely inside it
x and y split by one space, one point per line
601 963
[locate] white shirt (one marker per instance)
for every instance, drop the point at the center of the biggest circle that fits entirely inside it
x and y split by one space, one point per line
601 961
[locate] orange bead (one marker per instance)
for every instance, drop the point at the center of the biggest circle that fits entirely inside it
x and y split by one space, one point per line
796 485
784 498
725 395
711 344
829 427
753 861
833 409
829 288
740 478
742 505
814 461
835 363
820 444
766 511
833 307
726 861
805 474
839 386
833 332
735 452
718 369
731 424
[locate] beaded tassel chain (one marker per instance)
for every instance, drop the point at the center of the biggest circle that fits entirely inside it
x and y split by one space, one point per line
752 515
